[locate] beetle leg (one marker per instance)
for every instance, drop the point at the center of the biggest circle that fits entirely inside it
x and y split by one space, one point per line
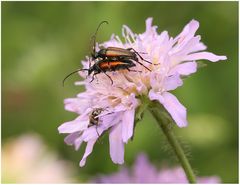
109 77
142 65
131 70
135 60
135 51
97 131
139 55
104 73
94 76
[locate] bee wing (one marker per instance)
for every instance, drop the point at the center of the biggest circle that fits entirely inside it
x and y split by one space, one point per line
104 114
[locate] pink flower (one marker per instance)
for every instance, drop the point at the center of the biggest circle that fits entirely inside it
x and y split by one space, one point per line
26 159
172 58
144 172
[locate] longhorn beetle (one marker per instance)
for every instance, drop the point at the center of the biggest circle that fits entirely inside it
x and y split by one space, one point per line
116 53
111 59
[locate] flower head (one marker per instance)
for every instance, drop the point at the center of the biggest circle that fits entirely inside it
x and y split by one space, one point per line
171 59
144 172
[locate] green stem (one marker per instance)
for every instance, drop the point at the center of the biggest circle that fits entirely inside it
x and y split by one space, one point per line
165 122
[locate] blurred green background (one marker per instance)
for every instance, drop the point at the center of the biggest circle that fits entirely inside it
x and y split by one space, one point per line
44 41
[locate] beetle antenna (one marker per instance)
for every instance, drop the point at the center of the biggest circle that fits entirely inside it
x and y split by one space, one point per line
94 36
72 74
89 63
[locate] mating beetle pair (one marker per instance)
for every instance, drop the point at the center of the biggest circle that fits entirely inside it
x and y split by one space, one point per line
111 59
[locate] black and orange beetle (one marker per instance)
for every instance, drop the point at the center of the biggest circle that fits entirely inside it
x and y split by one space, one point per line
116 53
103 66
111 59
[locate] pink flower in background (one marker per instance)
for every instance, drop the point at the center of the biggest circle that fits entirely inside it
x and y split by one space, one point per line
26 159
172 58
144 172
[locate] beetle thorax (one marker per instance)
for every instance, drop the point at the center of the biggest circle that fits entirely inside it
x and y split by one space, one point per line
101 53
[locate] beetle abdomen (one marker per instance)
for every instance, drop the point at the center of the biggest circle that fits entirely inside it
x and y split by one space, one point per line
117 52
115 65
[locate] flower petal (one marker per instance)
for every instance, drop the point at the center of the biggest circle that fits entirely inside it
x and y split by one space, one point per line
123 177
172 82
116 144
127 124
149 23
188 31
204 55
77 143
73 126
88 151
78 105
110 120
69 140
175 108
128 34
72 104
186 68
174 175
172 105
209 180
155 96
91 133
186 46
141 167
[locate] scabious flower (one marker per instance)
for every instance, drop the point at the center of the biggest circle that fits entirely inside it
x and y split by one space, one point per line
144 172
171 59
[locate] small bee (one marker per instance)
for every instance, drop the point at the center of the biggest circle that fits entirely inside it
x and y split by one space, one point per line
94 117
